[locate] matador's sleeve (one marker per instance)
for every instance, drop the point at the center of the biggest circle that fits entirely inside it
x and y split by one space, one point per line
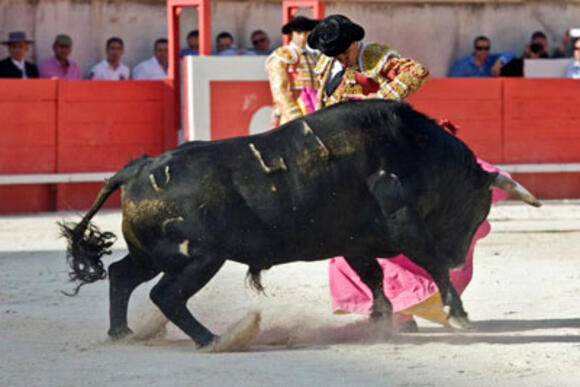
280 88
401 77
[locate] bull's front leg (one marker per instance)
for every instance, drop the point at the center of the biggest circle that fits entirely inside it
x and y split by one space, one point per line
371 273
408 233
452 305
416 242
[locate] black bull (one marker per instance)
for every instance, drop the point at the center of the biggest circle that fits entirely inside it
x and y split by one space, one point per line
360 179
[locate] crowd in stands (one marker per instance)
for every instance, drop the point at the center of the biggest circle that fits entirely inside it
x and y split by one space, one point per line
482 62
61 66
225 44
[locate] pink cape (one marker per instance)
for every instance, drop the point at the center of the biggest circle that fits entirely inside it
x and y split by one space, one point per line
405 284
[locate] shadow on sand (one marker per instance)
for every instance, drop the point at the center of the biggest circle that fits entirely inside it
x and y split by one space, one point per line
361 332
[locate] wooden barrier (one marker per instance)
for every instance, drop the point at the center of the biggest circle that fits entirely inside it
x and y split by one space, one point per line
52 126
475 105
28 122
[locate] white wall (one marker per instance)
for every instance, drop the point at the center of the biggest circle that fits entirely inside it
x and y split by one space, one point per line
433 33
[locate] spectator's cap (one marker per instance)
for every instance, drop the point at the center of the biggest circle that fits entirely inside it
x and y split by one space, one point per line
17 36
334 35
299 23
63 40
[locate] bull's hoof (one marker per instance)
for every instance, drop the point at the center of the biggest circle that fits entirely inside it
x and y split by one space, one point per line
382 328
408 327
461 323
237 338
120 333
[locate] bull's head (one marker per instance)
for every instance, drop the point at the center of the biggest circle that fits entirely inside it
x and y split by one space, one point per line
454 226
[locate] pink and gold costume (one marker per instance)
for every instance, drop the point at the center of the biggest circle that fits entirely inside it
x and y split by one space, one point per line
379 70
290 71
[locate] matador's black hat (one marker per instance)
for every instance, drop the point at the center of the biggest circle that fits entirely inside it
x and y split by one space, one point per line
299 23
334 34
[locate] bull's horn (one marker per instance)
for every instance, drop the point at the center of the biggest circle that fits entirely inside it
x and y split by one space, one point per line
511 186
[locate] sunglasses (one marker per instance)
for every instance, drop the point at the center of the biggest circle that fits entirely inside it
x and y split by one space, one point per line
257 41
482 48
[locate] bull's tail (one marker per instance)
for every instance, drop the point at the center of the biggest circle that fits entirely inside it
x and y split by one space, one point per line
86 243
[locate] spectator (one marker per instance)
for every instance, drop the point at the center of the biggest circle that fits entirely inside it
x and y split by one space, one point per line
515 67
156 66
192 44
111 68
565 48
60 66
291 74
225 45
14 66
480 63
540 41
260 43
573 69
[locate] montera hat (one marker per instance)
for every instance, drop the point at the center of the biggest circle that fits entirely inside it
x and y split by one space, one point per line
299 23
334 34
17 36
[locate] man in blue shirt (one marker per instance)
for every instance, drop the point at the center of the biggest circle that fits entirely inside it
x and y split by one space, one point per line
192 44
481 63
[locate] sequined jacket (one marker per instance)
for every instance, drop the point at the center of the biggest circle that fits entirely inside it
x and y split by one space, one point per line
290 70
379 70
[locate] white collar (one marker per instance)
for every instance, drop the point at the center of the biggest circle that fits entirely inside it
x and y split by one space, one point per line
156 61
111 67
298 48
19 64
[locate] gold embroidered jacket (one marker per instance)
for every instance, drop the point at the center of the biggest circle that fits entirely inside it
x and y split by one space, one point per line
379 70
290 69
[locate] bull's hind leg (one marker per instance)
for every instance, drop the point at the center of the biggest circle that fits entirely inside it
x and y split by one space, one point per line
124 276
371 273
175 288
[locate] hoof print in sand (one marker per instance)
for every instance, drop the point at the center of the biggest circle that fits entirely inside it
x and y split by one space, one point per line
238 337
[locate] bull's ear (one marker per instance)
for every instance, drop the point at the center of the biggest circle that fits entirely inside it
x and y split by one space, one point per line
511 186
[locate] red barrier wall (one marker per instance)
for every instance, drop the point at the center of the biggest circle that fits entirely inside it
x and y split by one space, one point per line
541 124
243 98
475 105
28 122
53 126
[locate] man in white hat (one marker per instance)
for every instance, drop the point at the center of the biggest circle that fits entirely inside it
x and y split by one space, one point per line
14 66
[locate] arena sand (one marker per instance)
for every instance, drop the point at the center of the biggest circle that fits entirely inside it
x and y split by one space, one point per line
524 301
